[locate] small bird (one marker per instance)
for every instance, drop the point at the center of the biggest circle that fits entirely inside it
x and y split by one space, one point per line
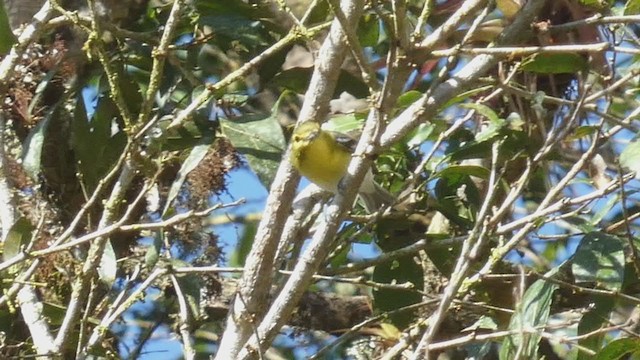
323 157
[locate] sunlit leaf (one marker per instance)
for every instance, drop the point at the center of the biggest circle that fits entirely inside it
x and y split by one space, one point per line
531 314
596 4
491 131
260 139
632 7
420 134
346 124
484 322
599 259
509 7
597 171
408 98
32 148
604 210
620 349
582 131
470 170
19 236
480 350
483 110
630 157
388 332
468 94
108 267
55 313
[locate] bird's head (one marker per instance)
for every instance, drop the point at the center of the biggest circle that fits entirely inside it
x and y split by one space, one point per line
305 133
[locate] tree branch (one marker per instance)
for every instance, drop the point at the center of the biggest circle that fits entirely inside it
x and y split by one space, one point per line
255 284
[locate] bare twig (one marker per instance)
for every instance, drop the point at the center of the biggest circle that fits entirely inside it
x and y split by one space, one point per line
526 50
185 326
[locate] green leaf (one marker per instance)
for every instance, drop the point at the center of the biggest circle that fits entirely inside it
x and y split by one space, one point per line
43 85
341 257
491 131
399 271
555 63
245 243
471 150
108 267
484 322
483 110
368 30
7 39
347 123
226 8
318 13
467 94
599 259
294 79
480 350
582 131
237 25
195 156
19 236
95 148
592 321
444 258
458 198
420 135
469 170
351 84
236 32
531 313
259 138
273 64
602 212
632 7
54 313
630 157
131 92
480 145
32 148
153 252
619 349
408 98
596 4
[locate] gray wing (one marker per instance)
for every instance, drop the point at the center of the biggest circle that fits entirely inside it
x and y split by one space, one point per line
345 140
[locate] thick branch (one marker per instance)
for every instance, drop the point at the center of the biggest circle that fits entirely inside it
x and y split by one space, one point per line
256 282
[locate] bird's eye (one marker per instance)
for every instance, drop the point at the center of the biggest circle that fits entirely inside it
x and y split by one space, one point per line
296 138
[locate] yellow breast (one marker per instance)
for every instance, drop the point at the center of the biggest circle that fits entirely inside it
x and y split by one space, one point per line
322 161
